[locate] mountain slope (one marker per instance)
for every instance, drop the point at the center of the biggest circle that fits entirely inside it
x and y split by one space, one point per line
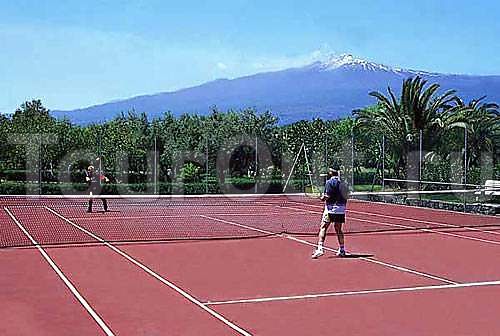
329 90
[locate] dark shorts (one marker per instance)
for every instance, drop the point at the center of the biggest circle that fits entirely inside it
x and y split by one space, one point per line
95 188
335 218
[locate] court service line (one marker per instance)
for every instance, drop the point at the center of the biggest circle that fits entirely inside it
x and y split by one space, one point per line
409 206
432 209
371 260
416 220
155 275
382 263
153 216
469 228
240 225
362 292
431 231
61 275
410 227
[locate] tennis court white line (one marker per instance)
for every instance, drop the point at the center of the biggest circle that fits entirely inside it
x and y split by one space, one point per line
382 263
149 216
432 209
298 209
431 231
148 205
61 275
240 225
417 220
408 227
362 292
371 260
155 275
469 228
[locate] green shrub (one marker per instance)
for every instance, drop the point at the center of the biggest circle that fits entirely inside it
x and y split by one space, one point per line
190 172
12 188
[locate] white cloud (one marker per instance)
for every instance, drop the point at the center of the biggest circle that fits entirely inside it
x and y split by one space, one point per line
221 66
284 62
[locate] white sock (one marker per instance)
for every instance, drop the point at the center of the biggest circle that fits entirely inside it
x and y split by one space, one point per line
320 245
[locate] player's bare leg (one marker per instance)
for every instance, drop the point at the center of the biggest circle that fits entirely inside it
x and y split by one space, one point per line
340 237
321 239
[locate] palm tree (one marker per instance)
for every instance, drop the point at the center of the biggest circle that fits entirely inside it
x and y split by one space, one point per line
419 109
482 123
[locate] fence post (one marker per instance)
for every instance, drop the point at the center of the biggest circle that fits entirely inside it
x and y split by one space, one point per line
383 162
256 164
207 166
352 158
465 166
40 164
155 167
420 158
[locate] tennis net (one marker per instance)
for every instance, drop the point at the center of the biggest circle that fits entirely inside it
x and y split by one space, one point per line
53 220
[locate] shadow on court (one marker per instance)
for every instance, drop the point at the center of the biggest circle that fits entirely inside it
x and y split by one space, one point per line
104 212
353 256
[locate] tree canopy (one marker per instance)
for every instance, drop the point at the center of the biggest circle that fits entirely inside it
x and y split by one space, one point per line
251 145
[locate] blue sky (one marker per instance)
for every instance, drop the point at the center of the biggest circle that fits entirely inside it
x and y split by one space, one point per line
74 54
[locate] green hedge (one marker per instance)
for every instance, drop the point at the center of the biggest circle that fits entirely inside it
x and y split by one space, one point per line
238 186
12 188
364 176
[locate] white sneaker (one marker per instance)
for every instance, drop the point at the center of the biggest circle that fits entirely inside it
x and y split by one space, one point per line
341 253
317 253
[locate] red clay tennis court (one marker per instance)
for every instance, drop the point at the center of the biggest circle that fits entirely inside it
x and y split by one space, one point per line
241 266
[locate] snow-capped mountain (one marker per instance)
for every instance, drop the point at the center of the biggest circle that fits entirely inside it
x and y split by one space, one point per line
348 61
326 89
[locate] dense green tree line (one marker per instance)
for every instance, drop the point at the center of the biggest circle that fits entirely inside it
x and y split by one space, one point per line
247 146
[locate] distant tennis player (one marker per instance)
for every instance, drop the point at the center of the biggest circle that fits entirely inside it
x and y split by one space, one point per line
94 180
335 197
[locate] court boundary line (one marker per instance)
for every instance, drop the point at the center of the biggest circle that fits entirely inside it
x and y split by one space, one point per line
253 214
240 225
155 275
471 228
351 293
382 263
445 225
413 228
372 260
410 206
439 210
63 277
433 231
